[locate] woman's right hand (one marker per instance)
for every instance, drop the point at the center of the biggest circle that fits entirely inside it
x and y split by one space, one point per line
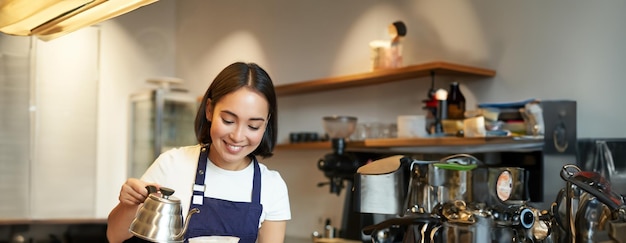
134 192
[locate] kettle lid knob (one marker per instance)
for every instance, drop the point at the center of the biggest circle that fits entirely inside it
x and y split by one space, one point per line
167 192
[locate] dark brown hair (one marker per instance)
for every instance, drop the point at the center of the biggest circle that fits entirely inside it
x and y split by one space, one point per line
400 28
234 77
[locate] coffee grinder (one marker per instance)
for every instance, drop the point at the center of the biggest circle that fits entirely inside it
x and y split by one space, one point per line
340 166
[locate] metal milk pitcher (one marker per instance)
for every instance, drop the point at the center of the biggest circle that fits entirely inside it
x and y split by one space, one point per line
451 179
437 182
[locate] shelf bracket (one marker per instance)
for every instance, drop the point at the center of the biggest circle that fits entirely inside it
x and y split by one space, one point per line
431 91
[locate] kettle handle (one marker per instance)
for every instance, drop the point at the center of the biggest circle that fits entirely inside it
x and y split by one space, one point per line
151 189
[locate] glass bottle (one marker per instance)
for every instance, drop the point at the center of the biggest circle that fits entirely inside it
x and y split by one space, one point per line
455 103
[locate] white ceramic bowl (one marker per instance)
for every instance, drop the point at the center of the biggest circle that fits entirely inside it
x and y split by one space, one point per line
214 239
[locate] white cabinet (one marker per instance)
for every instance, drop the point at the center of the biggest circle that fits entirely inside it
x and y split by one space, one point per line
64 162
60 133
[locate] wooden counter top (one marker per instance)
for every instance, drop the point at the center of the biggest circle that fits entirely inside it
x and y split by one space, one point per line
51 221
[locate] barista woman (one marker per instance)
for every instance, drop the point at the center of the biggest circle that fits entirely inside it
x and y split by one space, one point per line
236 195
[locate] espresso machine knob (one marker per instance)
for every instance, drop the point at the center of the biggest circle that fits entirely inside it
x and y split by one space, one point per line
527 218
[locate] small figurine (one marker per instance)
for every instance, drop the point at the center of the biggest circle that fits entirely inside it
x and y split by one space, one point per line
397 30
388 53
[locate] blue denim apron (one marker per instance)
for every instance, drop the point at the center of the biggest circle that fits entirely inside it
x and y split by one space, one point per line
219 217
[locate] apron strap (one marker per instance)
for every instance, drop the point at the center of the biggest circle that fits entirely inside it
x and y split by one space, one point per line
199 186
256 183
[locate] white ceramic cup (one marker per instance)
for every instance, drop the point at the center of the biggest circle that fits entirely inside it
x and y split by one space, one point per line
411 126
214 239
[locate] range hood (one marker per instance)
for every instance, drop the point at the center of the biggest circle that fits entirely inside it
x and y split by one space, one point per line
49 19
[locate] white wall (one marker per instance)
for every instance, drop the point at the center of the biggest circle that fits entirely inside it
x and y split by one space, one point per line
64 125
558 49
555 50
551 50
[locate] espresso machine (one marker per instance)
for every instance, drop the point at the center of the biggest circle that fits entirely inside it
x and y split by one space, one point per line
454 199
445 203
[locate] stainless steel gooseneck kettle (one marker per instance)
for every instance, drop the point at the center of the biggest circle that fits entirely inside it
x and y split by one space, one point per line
160 217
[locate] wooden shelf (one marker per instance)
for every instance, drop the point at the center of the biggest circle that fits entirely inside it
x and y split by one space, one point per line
431 145
381 76
435 144
305 145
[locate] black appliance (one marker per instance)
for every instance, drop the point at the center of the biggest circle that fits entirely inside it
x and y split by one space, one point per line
544 165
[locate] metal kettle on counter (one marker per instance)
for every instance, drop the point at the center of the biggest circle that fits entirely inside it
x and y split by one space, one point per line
160 217
587 210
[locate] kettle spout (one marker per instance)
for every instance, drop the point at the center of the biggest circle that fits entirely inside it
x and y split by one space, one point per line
181 234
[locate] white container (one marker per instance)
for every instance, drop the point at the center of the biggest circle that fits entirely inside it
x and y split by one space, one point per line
214 239
385 54
411 126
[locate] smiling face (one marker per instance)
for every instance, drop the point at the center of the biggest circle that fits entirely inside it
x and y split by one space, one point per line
238 122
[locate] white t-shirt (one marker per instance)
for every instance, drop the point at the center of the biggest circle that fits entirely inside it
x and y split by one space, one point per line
176 169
